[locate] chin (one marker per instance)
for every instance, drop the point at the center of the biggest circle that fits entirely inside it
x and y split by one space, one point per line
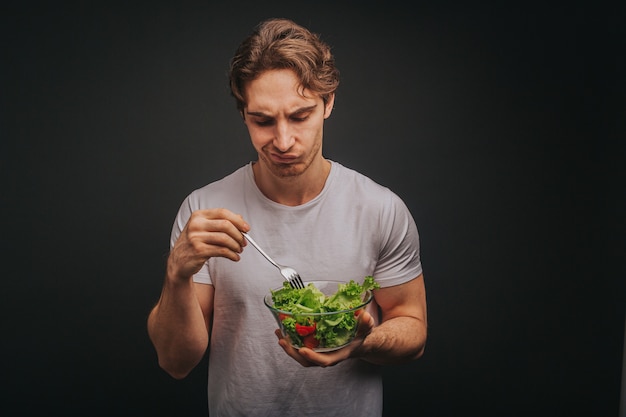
286 171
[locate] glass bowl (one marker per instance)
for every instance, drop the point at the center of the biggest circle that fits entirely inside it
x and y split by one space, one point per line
322 332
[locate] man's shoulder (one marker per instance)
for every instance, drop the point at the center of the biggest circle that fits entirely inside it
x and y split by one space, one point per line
358 179
222 187
226 181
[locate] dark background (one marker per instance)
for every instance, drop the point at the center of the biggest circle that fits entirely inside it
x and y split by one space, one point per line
501 125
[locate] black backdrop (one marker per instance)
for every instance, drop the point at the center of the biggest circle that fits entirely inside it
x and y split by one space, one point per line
501 126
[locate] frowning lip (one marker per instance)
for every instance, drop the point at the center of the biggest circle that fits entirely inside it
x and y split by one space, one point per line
283 159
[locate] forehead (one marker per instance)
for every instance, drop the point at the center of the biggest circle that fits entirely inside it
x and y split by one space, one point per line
277 90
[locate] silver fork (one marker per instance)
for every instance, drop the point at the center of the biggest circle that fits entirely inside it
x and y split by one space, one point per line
289 273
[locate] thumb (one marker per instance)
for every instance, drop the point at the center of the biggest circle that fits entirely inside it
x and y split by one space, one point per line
366 324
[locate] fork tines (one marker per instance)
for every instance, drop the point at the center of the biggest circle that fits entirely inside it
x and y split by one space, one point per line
295 281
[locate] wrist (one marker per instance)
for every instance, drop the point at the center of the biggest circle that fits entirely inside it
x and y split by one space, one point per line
176 276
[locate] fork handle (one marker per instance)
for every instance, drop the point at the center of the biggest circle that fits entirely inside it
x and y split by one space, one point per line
261 251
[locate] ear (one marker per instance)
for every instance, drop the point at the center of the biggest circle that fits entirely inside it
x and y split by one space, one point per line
328 107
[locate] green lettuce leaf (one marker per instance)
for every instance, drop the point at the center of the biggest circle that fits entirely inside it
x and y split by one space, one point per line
331 330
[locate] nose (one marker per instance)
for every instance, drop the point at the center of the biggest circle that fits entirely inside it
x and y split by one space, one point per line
283 138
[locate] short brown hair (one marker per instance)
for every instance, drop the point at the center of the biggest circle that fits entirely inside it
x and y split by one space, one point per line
283 44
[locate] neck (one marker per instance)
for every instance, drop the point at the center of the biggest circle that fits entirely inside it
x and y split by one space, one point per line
292 190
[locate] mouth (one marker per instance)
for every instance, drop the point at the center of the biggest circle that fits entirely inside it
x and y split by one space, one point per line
283 159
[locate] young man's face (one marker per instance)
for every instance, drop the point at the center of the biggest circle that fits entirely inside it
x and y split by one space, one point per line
286 127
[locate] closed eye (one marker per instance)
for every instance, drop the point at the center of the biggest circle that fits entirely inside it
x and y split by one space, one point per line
263 120
270 122
302 114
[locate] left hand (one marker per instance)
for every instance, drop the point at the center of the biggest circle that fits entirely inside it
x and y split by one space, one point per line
308 357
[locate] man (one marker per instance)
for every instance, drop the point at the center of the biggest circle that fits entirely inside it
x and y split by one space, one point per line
327 221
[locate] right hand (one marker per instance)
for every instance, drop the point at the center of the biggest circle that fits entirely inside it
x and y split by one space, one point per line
208 233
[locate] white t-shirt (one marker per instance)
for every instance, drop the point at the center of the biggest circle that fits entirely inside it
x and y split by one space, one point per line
352 229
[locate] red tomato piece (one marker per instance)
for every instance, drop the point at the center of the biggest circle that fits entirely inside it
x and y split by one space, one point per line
304 330
310 341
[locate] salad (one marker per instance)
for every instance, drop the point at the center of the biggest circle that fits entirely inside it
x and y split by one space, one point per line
316 320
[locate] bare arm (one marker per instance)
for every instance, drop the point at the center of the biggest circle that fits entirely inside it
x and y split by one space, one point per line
179 324
400 337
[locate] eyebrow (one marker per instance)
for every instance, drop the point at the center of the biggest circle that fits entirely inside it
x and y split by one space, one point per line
300 110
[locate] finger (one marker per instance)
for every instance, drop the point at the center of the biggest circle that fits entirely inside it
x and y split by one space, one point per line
236 220
325 359
214 233
366 324
218 220
285 344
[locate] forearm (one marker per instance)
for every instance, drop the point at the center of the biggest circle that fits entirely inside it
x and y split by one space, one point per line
178 329
397 340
